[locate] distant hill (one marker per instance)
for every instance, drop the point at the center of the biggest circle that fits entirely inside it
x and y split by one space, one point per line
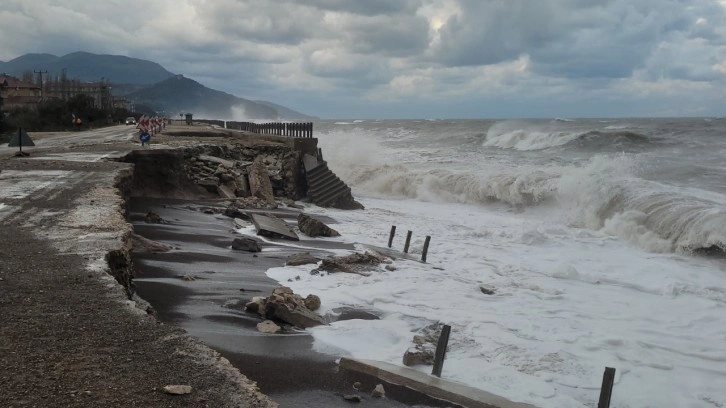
148 83
85 66
180 94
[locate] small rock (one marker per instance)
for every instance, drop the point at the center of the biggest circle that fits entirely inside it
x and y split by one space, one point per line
268 326
177 389
487 289
357 385
255 305
312 302
390 268
240 223
246 244
352 398
378 392
301 259
153 218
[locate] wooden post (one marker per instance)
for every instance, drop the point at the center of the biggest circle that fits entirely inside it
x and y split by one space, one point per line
390 237
425 249
608 380
441 350
408 242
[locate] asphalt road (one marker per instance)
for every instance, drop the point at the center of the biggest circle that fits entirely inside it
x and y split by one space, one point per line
69 336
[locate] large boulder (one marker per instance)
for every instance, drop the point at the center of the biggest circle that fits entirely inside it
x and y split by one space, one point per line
285 306
313 227
260 185
300 317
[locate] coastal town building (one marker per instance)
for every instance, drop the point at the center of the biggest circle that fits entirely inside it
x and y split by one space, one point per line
16 93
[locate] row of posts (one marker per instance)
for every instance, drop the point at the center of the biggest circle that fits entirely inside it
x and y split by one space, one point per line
304 130
425 250
608 378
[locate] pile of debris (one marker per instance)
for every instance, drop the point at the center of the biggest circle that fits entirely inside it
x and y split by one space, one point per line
284 306
264 172
361 264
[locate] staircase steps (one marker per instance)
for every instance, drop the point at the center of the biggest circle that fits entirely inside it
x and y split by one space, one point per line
324 187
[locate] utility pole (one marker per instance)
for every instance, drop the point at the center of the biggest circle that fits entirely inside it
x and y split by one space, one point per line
40 73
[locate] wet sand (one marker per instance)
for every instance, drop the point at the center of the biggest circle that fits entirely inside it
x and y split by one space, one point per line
211 307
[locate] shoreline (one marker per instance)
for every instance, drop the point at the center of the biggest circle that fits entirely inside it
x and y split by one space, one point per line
284 366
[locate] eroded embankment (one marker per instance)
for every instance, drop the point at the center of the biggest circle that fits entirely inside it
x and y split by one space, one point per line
233 388
221 281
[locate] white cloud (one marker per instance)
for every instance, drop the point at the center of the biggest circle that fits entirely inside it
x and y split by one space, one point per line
423 50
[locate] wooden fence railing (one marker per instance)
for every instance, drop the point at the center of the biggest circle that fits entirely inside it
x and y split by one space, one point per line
303 130
276 128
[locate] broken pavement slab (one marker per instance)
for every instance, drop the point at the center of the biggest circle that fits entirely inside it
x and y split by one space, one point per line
273 227
457 393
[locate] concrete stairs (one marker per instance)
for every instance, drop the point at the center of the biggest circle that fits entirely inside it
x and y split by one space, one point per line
325 188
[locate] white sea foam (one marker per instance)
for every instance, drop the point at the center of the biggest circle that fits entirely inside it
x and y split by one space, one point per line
567 304
588 255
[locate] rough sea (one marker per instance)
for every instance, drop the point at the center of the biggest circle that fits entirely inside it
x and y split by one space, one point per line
603 240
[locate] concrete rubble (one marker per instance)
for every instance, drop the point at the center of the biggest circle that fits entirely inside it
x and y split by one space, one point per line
287 307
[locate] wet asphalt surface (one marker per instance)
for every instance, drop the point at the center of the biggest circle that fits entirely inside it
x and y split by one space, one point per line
211 306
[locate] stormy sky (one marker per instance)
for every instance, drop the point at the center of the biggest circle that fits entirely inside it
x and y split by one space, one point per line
410 58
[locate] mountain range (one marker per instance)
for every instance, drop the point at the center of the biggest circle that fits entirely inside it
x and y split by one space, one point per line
148 83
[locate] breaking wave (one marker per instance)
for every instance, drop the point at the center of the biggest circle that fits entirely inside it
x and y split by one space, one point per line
605 193
540 138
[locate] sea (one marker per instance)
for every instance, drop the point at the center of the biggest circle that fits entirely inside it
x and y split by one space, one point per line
600 243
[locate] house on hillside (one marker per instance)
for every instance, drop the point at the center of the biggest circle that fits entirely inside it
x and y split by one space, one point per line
18 94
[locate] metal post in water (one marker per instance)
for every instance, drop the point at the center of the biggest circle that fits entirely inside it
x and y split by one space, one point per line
390 237
425 249
608 380
441 350
408 242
